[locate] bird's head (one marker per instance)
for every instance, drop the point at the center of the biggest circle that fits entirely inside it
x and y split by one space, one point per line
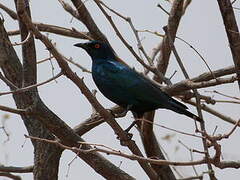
97 49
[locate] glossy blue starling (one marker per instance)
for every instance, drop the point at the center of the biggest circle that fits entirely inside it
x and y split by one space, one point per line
126 87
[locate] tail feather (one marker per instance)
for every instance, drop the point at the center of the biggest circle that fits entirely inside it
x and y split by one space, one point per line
191 115
182 109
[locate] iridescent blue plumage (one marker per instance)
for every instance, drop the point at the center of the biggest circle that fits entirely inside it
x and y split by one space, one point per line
124 86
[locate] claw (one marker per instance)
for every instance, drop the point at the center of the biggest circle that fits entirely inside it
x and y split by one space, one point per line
130 127
129 138
120 114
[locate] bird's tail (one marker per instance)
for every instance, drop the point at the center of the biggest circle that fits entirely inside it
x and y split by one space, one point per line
182 109
191 115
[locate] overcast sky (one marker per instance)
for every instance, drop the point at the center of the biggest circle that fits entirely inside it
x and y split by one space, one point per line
201 26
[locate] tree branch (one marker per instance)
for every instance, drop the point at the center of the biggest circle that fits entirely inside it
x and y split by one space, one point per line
13 169
108 150
9 175
232 31
9 11
57 30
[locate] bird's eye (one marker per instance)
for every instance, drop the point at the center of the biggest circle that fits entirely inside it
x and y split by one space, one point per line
97 46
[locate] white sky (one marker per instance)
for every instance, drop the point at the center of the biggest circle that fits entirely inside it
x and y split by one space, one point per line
201 26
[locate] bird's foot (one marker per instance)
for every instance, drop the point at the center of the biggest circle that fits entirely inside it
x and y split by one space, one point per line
118 115
130 127
112 113
122 114
129 135
125 141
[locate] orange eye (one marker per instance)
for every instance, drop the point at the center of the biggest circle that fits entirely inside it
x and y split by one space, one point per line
97 46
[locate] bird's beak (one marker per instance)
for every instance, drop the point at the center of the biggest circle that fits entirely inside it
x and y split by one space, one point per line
81 45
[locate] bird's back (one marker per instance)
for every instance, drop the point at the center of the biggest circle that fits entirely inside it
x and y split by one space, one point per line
126 87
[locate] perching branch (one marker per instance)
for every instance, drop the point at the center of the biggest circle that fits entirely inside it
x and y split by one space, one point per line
110 151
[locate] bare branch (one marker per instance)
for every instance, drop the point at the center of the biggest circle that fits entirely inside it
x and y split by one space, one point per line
225 95
188 84
108 150
213 112
57 30
230 24
195 50
78 65
13 169
24 41
217 73
82 14
173 22
12 110
170 129
9 175
128 20
9 83
19 90
9 11
202 124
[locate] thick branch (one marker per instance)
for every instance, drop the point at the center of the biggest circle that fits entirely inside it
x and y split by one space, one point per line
188 84
232 31
173 22
9 11
56 30
84 16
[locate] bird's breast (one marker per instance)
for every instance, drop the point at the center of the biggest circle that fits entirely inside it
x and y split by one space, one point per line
109 79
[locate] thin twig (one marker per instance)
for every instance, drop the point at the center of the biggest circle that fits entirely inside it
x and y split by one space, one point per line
225 101
171 129
109 150
129 20
78 65
202 124
13 169
32 86
225 95
9 175
9 83
196 51
213 112
24 41
12 110
191 155
43 60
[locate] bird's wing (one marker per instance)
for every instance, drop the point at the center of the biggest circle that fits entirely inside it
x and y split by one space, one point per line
157 88
136 85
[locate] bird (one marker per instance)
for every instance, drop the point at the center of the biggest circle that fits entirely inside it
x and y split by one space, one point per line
125 86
